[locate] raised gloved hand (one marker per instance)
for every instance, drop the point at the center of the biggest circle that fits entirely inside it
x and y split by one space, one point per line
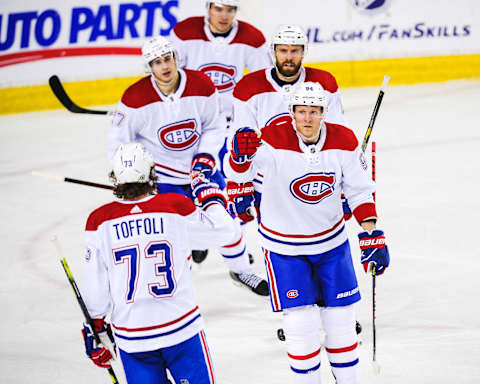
202 163
245 144
102 353
241 200
374 251
206 192
347 212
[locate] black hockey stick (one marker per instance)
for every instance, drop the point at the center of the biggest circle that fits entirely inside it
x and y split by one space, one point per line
59 91
70 180
368 133
375 365
79 298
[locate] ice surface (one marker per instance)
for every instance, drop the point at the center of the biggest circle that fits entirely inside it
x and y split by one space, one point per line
428 317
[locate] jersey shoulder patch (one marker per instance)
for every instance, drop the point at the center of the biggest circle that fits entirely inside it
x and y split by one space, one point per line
140 94
281 137
198 84
191 29
326 79
252 84
249 35
339 137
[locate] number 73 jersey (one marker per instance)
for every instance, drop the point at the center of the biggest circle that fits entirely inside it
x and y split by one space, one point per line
138 267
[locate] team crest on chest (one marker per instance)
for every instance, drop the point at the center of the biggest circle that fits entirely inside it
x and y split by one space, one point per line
222 76
313 187
179 136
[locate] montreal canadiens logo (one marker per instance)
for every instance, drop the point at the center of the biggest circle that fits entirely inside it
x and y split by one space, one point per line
279 120
179 136
313 187
223 76
292 294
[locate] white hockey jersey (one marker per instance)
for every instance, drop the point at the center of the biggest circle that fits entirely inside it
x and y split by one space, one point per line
137 266
224 59
301 209
259 101
173 128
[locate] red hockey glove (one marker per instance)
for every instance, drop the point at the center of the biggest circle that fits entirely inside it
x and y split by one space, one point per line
245 144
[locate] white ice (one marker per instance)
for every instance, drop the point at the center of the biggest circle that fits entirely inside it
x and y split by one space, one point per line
428 313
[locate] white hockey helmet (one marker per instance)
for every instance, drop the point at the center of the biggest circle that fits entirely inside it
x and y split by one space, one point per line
231 3
156 47
308 93
132 163
290 35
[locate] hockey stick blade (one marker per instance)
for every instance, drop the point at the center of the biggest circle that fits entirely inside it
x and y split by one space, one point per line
60 93
383 88
376 367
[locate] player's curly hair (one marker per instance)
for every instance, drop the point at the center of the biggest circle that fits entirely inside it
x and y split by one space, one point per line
131 191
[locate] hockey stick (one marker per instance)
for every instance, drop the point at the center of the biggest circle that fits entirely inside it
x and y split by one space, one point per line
70 180
79 298
368 133
59 91
375 365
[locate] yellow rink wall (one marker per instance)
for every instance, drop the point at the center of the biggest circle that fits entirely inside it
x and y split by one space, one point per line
348 73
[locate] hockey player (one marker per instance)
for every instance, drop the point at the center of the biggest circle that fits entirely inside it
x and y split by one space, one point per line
174 113
261 98
221 47
306 164
137 269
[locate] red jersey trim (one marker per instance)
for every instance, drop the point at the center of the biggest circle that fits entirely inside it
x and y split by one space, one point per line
365 211
164 203
140 94
301 236
171 169
326 79
252 84
198 84
157 326
339 137
281 137
191 29
249 35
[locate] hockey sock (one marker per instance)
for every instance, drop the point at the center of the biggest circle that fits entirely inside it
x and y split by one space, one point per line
301 327
341 342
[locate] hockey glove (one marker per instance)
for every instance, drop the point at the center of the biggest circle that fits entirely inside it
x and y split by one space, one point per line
241 200
102 353
245 144
206 192
374 251
347 212
203 163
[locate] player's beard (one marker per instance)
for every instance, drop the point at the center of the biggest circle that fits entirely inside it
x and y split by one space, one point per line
288 72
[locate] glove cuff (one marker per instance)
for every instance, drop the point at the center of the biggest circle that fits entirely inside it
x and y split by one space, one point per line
203 158
239 164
